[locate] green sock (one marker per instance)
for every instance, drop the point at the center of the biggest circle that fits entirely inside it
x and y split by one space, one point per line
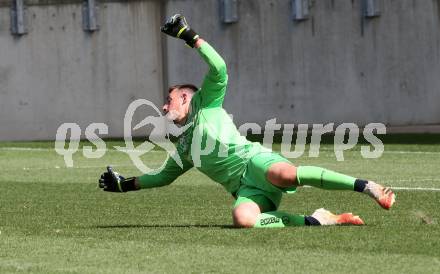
279 219
324 178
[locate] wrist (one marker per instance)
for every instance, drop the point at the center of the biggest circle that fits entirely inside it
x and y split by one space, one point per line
190 37
129 184
137 183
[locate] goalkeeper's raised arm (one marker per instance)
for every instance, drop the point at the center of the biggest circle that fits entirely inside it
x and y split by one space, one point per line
214 84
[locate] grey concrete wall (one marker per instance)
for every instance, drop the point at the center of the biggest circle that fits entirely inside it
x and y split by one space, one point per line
325 69
58 73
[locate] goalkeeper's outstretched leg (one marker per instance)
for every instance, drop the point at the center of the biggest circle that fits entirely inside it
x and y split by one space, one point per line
286 175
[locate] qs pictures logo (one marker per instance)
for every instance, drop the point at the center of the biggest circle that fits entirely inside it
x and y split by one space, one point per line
162 127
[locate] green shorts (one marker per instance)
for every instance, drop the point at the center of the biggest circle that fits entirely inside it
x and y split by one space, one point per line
254 182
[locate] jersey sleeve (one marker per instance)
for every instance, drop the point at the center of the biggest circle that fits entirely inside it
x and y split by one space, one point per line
213 88
166 176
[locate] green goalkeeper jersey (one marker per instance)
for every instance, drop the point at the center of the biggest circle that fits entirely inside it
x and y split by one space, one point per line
212 143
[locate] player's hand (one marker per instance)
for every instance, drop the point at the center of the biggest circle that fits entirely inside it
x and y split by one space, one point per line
176 26
113 182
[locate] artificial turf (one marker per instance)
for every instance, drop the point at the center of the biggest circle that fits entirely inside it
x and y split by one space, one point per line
55 219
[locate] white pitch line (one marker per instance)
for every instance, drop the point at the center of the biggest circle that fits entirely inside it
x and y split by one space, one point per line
412 180
388 151
79 149
416 188
74 167
25 149
410 152
157 151
405 188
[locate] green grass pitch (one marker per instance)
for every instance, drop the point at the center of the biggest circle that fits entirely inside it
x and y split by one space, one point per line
54 219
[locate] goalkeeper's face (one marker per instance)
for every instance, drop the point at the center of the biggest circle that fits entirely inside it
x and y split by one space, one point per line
176 107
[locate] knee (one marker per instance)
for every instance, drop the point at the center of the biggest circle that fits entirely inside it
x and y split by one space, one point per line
245 215
282 174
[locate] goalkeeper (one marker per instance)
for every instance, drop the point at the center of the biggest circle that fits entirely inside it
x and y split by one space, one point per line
256 177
